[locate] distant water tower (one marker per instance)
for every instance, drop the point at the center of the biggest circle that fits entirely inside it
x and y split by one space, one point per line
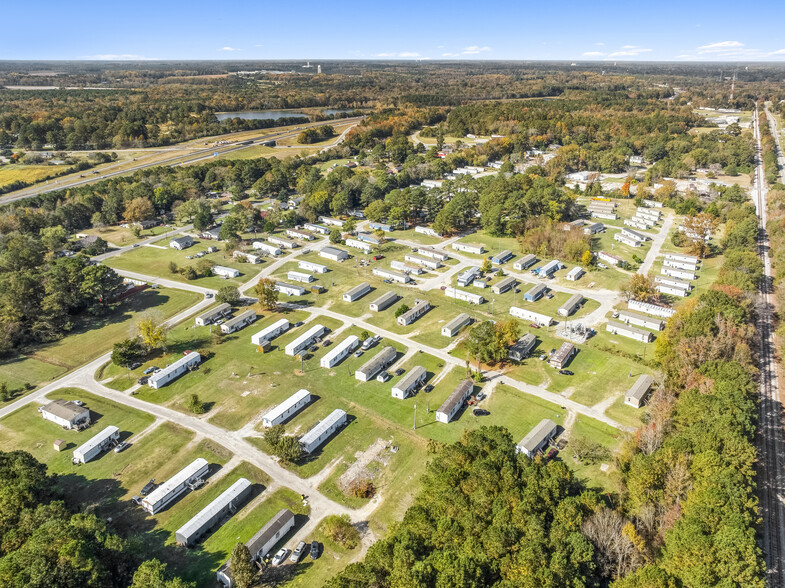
318 69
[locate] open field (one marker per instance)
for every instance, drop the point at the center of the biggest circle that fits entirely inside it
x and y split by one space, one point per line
91 337
153 261
27 173
119 236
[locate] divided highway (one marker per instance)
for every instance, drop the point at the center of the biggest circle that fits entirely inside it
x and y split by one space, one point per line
771 444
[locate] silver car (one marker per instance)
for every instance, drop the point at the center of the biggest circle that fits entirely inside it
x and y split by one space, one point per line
298 552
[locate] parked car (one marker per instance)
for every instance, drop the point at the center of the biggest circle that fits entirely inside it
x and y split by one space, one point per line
327 343
149 487
143 380
534 325
480 412
552 452
388 281
313 349
298 552
428 388
481 396
280 557
543 357
566 373
358 353
219 322
315 550
150 370
298 324
78 403
208 295
399 371
378 257
123 445
383 377
134 365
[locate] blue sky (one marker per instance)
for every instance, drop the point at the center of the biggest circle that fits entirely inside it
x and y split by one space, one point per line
699 30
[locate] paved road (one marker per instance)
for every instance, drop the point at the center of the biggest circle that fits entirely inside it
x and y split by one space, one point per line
204 153
657 242
771 444
780 154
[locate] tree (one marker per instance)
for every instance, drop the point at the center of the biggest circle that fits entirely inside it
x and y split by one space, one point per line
486 266
99 282
5 395
272 435
195 405
138 209
228 294
339 528
484 345
335 235
403 308
152 332
587 259
152 574
127 352
267 294
289 449
243 571
639 287
173 269
53 238
742 269
698 229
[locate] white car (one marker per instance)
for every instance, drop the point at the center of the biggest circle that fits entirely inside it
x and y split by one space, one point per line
280 557
298 552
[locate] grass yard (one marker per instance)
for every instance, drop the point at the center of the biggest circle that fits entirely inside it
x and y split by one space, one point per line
412 235
625 414
492 245
25 371
153 261
27 173
592 474
605 242
119 236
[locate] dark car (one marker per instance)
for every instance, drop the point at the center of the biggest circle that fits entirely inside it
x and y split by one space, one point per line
552 452
150 370
428 388
134 365
399 371
142 381
149 487
378 257
315 550
480 412
314 349
298 324
566 373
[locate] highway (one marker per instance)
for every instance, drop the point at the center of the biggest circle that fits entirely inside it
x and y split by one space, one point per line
771 445
195 156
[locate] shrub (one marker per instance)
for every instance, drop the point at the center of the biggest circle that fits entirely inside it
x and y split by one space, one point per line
339 528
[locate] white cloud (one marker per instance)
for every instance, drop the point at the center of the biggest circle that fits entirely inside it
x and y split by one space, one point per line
398 54
451 54
778 52
229 49
475 50
721 47
440 46
628 51
629 47
593 54
730 50
600 44
118 57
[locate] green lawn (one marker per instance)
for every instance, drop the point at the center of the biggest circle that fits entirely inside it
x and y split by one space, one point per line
492 245
412 235
25 371
120 236
592 474
153 261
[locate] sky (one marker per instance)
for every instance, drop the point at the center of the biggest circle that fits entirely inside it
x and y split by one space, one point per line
665 30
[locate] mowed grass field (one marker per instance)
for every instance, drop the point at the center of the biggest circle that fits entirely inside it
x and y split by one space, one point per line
27 173
91 337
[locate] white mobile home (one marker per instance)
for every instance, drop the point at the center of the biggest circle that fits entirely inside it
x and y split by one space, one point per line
666 289
679 264
682 257
310 266
611 259
357 244
455 325
66 413
209 317
575 273
627 240
655 309
426 230
282 243
653 203
388 274
571 306
174 370
432 253
531 316
357 292
287 408
340 352
538 438
410 382
270 332
678 273
305 340
241 321
520 349
225 272
333 253
260 544
168 492
384 301
636 395
550 268
505 284
249 257
562 356
469 297
631 332
321 229
227 503
333 222
298 234
299 277
525 262
314 438
674 282
431 264
289 289
420 308
406 268
376 364
467 276
455 401
476 249
267 248
641 320
97 444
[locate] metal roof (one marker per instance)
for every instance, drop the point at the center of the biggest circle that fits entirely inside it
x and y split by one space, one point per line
458 321
544 429
382 358
176 481
96 440
573 301
333 251
272 328
335 417
630 329
563 352
415 375
457 396
217 311
185 360
286 405
196 525
310 334
349 343
640 387
385 299
358 289
269 531
536 290
243 316
65 409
